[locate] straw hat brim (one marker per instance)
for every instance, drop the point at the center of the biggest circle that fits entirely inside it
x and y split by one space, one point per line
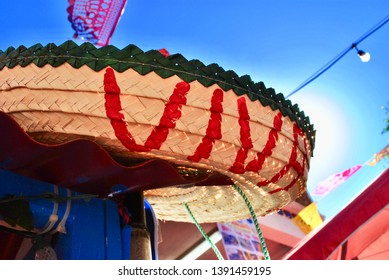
144 105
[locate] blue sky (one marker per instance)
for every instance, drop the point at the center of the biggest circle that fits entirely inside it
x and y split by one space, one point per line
278 42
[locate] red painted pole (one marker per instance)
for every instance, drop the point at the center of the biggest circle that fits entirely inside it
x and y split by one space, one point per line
9 245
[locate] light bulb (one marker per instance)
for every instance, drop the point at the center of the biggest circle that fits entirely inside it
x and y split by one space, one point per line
364 56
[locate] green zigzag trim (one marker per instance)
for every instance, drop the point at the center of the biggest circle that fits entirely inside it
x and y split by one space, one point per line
146 62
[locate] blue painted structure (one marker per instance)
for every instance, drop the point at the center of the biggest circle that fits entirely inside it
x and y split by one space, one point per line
94 230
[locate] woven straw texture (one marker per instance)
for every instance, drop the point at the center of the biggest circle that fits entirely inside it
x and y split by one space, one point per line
55 104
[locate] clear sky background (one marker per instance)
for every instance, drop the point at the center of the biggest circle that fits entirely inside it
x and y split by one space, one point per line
278 42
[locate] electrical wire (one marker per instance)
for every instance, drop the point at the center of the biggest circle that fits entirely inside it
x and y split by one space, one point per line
319 72
373 29
339 56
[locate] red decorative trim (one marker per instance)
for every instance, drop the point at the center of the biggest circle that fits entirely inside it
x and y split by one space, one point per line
277 122
158 136
113 108
245 137
276 177
164 52
256 164
287 187
213 131
292 163
171 114
123 212
293 157
272 210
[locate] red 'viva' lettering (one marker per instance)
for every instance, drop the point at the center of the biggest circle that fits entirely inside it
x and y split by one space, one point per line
213 131
159 134
172 113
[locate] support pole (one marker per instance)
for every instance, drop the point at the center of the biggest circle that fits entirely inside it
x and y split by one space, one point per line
140 248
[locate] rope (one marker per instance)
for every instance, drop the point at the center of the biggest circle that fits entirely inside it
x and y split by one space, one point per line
215 249
254 217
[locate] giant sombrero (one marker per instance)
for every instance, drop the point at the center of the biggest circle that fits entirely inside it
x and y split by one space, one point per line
145 105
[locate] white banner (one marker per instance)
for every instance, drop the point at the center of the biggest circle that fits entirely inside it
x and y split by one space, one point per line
115 270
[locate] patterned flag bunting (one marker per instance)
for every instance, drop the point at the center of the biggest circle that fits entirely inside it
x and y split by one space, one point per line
380 155
308 219
95 20
332 182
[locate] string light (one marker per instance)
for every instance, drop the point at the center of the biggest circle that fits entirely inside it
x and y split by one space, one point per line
363 55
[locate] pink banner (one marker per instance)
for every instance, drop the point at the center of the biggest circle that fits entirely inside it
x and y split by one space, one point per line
332 182
95 20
